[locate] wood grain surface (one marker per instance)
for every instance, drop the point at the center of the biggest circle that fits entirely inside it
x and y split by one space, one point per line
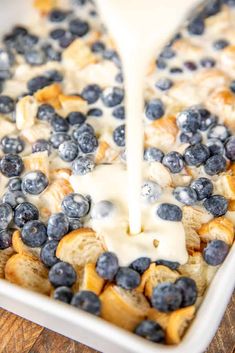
20 336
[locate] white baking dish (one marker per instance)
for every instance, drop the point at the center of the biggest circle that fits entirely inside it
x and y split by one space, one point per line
93 331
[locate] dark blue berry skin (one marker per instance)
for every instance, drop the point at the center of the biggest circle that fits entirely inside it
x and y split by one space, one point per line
66 40
74 223
79 130
154 109
24 213
48 253
87 142
51 53
41 145
87 301
34 183
161 64
35 57
119 136
189 120
196 26
57 33
185 195
167 53
58 226
14 184
232 86
59 124
6 215
98 47
7 105
107 265
169 212
190 65
127 278
153 154
151 331
91 93
111 97
203 188
78 27
102 209
215 252
34 234
13 198
207 63
207 119
211 8
11 165
45 112
176 70
119 78
164 84
215 146
167 297
230 3
119 113
230 148
63 294
171 264
215 165
217 205
141 265
58 138
188 290
173 161
62 274
95 112
83 165
57 15
196 155
75 205
76 118
113 56
220 44
5 239
68 151
220 132
37 83
190 138
12 145
2 82
54 75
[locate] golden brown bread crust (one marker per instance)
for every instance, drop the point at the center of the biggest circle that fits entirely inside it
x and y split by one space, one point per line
22 249
220 228
4 257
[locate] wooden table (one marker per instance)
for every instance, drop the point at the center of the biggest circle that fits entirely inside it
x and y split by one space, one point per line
20 336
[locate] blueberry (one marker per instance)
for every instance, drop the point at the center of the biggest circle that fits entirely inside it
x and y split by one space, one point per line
57 33
63 294
220 44
119 77
6 215
185 195
189 120
190 138
107 265
164 84
75 205
196 26
66 40
13 198
150 330
188 290
196 154
215 165
150 191
51 53
119 113
45 112
6 61
112 96
203 188
173 161
102 209
95 112
76 118
25 43
215 146
54 75
34 183
48 253
87 301
68 151
167 53
127 278
24 213
215 252
113 56
207 119
58 138
176 70
79 27
207 62
167 297
232 86
59 124
41 145
58 226
35 57
212 7
217 205
2 84
229 2
5 239
12 145
62 274
161 64
14 184
74 223
83 165
98 47
190 65
7 105
34 234
169 212
153 154
171 264
11 165
141 264
230 148
37 83
119 135
87 142
81 129
219 132
154 109
57 15
91 93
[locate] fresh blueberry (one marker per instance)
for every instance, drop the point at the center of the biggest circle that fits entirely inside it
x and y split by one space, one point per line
57 33
37 83
119 113
193 139
66 40
51 53
102 209
196 26
91 93
58 226
220 44
87 142
141 264
154 109
79 27
95 112
230 148
87 301
98 47
169 212
207 119
107 265
11 165
34 183
83 165
150 330
188 290
41 145
215 252
189 120
7 105
207 62
75 205
54 75
230 3
6 215
14 184
58 138
74 223
215 146
150 191
203 188
232 86
171 264
153 154
173 161
57 15
34 234
81 129
176 70
76 118
59 124
164 84
119 77
63 294
212 7
185 195
25 43
112 96
113 56
5 239
68 151
220 132
45 112
12 145
215 165
13 198
196 155
127 278
35 57
2 84
24 213
167 53
161 64
190 65
48 253
119 135
217 205
62 274
167 297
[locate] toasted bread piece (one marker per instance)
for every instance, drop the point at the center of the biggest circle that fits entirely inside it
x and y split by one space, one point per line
78 55
23 249
105 154
37 161
177 324
36 132
90 280
220 228
28 272
159 317
49 95
45 6
79 247
54 194
61 173
72 103
225 185
231 205
123 308
26 111
4 257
